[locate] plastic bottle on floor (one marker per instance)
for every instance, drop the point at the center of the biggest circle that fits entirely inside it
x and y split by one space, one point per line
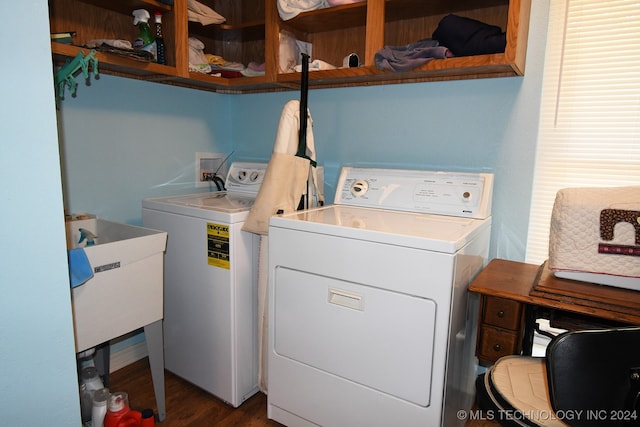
99 408
119 414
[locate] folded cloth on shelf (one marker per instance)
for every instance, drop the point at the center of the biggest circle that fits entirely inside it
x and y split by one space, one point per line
466 36
253 69
291 8
214 59
197 60
229 74
407 57
79 267
197 12
219 63
316 65
121 48
120 44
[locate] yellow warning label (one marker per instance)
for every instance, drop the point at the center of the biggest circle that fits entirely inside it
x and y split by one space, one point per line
218 245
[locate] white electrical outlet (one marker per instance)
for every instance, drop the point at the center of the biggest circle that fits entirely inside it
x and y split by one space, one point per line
208 164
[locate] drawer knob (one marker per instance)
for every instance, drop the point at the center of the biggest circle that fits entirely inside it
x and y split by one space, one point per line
501 314
497 347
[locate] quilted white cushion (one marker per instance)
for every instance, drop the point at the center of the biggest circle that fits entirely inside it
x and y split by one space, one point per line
576 227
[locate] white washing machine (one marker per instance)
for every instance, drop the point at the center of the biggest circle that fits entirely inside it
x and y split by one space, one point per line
368 301
210 285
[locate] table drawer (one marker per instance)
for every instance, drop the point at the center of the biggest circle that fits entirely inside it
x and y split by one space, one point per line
502 313
493 343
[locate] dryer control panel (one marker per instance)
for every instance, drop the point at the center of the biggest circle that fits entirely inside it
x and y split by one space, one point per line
435 192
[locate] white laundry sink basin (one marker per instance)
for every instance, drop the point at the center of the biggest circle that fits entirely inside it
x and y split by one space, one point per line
126 290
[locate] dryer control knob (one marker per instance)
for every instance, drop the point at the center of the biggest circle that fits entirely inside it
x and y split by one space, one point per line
359 188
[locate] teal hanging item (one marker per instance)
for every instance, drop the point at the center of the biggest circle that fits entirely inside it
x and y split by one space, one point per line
65 77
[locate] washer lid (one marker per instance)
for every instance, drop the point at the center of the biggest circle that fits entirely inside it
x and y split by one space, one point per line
217 206
438 233
243 183
222 201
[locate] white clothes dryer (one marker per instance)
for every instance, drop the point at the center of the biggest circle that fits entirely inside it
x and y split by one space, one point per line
210 284
368 301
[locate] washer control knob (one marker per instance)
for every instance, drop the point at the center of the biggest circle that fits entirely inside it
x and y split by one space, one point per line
359 188
253 177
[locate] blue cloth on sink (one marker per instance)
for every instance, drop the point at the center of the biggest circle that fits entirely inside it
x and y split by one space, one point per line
79 267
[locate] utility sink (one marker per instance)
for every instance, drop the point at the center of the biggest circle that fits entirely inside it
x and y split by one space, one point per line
126 290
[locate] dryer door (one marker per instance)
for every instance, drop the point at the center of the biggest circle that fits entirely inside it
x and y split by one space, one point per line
370 336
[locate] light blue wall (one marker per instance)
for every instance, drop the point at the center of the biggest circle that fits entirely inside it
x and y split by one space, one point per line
38 382
122 140
472 125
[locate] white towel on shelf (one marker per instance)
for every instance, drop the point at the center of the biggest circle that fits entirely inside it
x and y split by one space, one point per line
291 8
316 65
197 12
197 59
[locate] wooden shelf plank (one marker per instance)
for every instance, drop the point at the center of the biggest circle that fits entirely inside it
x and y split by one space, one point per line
113 62
128 6
407 9
247 31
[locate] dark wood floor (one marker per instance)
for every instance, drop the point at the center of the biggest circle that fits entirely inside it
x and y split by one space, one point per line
190 406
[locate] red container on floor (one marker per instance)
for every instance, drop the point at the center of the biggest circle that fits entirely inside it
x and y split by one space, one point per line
119 414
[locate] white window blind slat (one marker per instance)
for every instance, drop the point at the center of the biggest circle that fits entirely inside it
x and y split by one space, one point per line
590 111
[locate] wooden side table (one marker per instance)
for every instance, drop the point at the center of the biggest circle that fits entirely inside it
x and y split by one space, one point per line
514 294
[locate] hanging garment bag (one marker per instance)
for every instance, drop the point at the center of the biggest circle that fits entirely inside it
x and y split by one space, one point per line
290 183
286 177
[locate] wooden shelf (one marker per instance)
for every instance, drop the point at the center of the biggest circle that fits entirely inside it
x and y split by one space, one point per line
252 34
396 10
248 31
329 19
230 85
113 62
481 66
128 6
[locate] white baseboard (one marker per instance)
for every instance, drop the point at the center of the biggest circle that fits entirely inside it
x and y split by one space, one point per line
127 356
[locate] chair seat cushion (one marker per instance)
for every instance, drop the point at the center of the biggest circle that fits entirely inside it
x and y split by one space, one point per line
516 387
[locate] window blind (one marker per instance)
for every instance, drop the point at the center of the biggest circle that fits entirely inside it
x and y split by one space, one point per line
589 133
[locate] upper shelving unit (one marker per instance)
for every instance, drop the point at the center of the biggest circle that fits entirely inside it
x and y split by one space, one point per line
365 28
252 30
